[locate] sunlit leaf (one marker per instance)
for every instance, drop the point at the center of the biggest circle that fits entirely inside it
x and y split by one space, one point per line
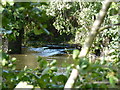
53 62
75 53
45 71
54 68
4 62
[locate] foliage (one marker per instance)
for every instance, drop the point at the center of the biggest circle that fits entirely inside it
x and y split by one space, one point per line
90 73
19 19
109 38
77 17
86 47
48 39
44 76
95 74
74 17
9 76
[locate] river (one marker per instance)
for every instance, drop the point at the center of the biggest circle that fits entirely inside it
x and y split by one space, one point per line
29 56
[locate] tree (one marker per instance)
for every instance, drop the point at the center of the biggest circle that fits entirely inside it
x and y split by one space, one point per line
74 17
19 19
45 76
89 41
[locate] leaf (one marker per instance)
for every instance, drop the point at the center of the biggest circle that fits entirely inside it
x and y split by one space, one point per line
5 56
21 8
45 26
43 64
53 63
10 65
62 78
84 63
13 59
42 84
113 80
5 21
45 71
44 80
39 58
54 69
41 30
113 11
4 62
37 32
45 77
75 53
83 66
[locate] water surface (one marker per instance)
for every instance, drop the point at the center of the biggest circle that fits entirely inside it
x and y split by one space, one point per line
29 57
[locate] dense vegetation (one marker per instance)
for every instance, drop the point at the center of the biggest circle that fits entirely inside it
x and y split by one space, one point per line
62 22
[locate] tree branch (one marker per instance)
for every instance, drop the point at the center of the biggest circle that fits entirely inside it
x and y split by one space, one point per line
89 40
108 26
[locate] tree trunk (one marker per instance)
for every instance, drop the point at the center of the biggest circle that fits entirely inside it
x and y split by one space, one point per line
15 46
89 40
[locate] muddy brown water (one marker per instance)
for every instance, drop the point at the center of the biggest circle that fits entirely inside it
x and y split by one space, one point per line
30 60
30 55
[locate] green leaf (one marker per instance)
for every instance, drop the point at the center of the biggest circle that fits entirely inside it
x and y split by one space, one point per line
84 63
10 65
57 86
13 59
21 8
62 78
75 53
43 64
39 58
54 69
83 66
44 80
45 26
37 32
113 80
5 21
4 62
5 56
45 71
113 11
42 83
53 63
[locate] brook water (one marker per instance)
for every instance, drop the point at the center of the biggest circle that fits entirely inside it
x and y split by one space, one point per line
30 54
